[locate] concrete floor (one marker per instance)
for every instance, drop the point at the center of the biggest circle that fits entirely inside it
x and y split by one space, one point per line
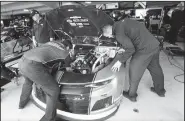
150 106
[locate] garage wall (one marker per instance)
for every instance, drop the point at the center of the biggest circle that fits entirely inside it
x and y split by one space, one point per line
9 8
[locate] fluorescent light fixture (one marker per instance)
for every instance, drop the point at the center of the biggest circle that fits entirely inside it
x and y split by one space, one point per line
26 10
70 10
89 2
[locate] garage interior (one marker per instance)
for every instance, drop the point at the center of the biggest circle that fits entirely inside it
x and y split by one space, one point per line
149 106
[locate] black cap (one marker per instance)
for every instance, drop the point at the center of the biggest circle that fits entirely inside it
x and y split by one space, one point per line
33 12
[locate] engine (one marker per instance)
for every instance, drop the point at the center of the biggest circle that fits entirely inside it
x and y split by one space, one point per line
91 59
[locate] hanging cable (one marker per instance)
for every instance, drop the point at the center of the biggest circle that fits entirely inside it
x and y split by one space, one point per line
175 77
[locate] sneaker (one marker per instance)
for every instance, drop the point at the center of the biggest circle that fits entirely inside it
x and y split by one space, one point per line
131 98
161 94
21 107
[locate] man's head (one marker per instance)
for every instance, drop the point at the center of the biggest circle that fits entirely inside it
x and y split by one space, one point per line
107 31
35 15
67 44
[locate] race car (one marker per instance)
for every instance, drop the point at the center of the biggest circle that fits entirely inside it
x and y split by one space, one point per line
15 41
91 91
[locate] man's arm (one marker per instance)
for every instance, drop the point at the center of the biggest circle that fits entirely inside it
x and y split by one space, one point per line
127 45
50 30
51 33
129 50
119 30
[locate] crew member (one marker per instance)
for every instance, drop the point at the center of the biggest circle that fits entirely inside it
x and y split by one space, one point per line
147 20
166 23
34 66
176 23
42 31
139 43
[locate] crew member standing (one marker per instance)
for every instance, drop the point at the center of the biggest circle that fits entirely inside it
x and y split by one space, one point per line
42 31
139 43
177 19
147 20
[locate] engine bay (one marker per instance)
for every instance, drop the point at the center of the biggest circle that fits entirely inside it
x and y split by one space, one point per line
93 54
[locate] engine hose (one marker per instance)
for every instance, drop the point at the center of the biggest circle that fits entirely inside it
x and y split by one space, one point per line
96 62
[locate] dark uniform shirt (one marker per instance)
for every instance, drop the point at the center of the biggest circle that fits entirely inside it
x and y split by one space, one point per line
42 31
177 19
134 37
48 53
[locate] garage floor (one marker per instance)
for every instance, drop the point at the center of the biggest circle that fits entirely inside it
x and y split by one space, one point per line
149 106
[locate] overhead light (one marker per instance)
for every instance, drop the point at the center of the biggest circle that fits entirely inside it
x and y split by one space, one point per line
88 2
26 10
70 10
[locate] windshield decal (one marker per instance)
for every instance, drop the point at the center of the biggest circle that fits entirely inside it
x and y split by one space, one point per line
73 24
75 17
86 24
69 21
79 24
78 21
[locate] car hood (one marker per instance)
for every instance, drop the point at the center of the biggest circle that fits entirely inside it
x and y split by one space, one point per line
78 20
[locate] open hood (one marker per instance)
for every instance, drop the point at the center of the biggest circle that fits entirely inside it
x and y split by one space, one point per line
78 20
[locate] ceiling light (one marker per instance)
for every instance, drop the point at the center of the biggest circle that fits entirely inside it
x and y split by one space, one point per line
26 10
88 2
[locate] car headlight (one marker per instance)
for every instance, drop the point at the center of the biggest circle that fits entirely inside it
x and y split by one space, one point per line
99 84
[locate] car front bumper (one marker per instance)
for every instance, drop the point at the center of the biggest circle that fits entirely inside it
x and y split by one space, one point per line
93 116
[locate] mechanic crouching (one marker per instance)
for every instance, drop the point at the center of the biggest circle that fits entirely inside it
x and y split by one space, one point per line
34 68
144 48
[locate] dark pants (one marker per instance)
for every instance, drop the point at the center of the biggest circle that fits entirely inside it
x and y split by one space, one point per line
173 33
36 72
166 36
138 64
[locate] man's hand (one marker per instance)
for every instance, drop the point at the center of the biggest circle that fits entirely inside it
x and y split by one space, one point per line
15 80
72 54
35 43
51 39
116 66
69 69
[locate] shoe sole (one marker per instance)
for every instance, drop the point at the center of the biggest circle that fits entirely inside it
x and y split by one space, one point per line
130 98
153 90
